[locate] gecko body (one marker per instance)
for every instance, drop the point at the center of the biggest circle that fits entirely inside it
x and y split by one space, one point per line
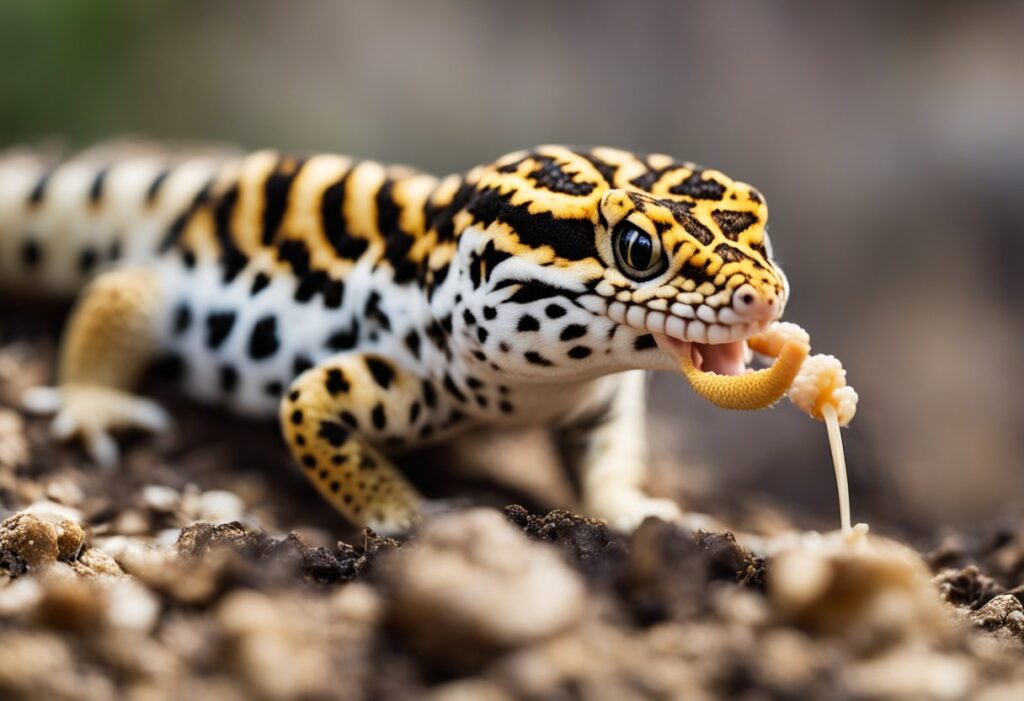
375 308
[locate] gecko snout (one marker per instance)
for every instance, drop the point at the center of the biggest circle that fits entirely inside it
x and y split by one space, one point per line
752 304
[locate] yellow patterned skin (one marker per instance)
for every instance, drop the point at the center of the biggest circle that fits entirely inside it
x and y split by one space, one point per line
375 308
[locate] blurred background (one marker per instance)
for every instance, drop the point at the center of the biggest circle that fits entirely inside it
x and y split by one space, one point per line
887 137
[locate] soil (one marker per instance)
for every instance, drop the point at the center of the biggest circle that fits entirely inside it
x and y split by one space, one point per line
205 567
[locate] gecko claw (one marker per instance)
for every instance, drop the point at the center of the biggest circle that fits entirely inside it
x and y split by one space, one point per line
91 412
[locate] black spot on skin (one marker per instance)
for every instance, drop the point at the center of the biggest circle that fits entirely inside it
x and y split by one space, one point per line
335 486
31 253
579 352
275 199
263 342
293 395
504 347
569 238
336 382
397 241
444 220
153 191
535 358
170 367
348 418
698 188
429 394
730 254
310 285
378 417
533 291
309 461
367 463
335 225
300 364
528 323
228 378
96 188
274 388
259 283
437 335
549 175
490 313
87 260
554 311
232 260
506 406
607 170
412 342
452 389
414 412
182 319
467 316
474 383
344 339
732 223
481 334
36 196
296 417
383 373
481 400
333 432
300 439
296 254
334 294
218 327
573 331
188 258
479 355
645 342
374 312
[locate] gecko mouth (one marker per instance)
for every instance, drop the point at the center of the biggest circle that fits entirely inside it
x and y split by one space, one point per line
719 358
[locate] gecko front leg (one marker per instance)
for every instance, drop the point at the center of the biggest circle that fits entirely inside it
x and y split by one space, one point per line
610 455
107 344
333 418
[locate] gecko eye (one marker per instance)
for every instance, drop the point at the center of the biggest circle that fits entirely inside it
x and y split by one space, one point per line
637 253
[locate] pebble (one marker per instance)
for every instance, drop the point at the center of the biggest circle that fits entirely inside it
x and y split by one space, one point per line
473 584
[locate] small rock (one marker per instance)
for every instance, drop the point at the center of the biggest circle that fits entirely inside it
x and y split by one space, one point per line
95 562
873 588
130 606
199 538
1003 615
967 587
219 506
13 442
70 539
161 498
473 585
30 538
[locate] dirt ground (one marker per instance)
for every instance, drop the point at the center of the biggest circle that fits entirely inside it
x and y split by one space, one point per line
205 567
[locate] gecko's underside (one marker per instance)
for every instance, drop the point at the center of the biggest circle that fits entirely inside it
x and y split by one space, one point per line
375 308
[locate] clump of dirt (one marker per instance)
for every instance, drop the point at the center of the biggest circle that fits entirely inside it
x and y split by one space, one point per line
205 567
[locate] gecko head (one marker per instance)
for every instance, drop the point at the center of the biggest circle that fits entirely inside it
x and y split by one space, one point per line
589 261
694 271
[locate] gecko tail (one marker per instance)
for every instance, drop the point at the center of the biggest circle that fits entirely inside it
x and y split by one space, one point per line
65 220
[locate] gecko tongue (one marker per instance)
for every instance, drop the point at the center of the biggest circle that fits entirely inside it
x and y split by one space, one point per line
719 358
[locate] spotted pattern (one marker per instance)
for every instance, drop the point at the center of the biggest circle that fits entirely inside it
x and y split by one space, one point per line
376 307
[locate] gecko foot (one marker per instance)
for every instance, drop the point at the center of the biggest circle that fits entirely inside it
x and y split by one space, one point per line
91 412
